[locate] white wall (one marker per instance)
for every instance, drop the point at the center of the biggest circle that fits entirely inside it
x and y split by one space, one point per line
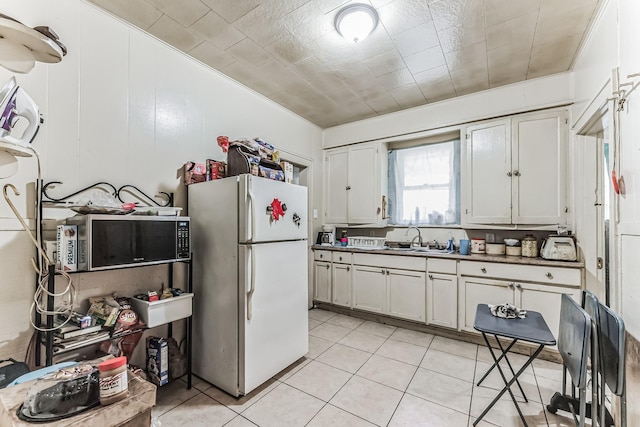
125 108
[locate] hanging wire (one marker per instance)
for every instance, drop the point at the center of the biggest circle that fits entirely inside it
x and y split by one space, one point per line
66 298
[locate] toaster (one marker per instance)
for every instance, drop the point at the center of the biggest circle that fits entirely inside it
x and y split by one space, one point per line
561 248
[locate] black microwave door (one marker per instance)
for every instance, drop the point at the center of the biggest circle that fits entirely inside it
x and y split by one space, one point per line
111 243
154 241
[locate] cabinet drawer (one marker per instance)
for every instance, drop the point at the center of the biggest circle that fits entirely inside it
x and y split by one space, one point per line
322 255
527 273
437 265
390 261
342 257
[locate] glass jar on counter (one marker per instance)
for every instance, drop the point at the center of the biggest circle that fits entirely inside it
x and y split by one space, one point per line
529 246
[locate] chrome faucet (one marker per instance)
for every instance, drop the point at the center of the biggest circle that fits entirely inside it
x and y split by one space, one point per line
419 236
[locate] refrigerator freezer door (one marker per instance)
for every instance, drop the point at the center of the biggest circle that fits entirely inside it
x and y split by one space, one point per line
257 224
273 293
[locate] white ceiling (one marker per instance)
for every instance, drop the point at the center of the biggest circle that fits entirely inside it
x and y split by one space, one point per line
422 51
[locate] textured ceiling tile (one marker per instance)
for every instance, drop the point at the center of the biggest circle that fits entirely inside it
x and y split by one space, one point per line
185 12
175 34
471 55
282 7
277 72
249 52
378 42
260 26
326 82
211 55
553 22
497 11
307 21
400 15
425 60
507 64
231 11
472 78
416 39
396 79
139 13
383 104
217 31
240 72
289 49
455 13
385 63
311 65
433 75
517 32
408 96
343 96
442 89
548 58
460 36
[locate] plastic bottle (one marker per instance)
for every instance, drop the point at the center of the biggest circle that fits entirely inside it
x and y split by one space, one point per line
114 384
344 240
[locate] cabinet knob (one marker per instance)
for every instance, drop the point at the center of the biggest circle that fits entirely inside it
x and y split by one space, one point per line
509 173
382 271
516 173
387 272
348 268
431 277
510 285
340 258
484 270
327 266
549 276
321 256
518 285
348 187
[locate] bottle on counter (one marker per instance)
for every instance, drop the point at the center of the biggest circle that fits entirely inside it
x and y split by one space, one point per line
344 240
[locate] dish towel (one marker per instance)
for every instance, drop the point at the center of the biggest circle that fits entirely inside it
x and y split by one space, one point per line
507 311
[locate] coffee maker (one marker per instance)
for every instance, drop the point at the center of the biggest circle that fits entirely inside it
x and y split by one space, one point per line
327 236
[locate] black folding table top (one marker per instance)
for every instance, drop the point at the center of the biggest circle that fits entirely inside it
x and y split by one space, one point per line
531 329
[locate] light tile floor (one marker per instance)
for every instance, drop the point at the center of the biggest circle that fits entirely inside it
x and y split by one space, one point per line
361 373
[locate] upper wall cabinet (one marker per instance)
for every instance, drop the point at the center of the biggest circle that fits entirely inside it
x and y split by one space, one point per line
355 182
516 170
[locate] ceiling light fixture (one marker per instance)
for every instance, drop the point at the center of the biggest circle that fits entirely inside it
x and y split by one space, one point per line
356 21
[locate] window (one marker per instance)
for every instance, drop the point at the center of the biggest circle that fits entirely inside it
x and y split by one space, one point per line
424 184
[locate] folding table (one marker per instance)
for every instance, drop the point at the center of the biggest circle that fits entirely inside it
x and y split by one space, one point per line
532 329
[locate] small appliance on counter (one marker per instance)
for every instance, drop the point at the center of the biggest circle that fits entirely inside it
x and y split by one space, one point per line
560 248
327 236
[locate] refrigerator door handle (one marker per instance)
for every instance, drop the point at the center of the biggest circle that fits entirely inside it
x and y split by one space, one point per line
251 216
252 282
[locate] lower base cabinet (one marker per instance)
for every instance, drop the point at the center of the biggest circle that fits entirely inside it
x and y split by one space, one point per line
322 281
442 300
341 281
406 294
369 288
542 298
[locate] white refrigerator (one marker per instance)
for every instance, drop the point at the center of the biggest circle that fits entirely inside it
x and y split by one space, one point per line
250 279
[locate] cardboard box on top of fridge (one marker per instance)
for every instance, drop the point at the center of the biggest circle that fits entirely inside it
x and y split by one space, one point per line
215 169
158 360
288 171
67 247
194 173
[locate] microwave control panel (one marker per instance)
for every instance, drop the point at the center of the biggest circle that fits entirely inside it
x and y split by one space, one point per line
183 250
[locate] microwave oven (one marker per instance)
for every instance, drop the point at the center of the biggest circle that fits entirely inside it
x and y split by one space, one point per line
115 241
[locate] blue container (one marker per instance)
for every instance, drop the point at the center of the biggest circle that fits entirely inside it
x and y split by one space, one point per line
465 247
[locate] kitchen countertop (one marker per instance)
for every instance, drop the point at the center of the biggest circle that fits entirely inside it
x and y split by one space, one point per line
457 256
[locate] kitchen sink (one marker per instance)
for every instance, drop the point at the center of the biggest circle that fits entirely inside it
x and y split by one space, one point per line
432 250
401 249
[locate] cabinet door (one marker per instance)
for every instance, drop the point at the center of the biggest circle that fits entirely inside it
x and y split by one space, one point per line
406 294
539 168
369 288
335 192
341 294
364 197
442 300
322 281
488 173
544 299
476 291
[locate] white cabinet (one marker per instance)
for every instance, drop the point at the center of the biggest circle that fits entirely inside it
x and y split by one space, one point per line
341 279
355 180
515 170
369 288
442 293
322 281
322 276
392 285
536 288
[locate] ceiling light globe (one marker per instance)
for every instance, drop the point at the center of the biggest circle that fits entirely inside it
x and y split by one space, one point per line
355 22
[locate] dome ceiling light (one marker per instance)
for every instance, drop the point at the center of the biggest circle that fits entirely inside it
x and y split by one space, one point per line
356 21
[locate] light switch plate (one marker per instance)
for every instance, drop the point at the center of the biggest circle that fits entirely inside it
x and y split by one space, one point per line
315 214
